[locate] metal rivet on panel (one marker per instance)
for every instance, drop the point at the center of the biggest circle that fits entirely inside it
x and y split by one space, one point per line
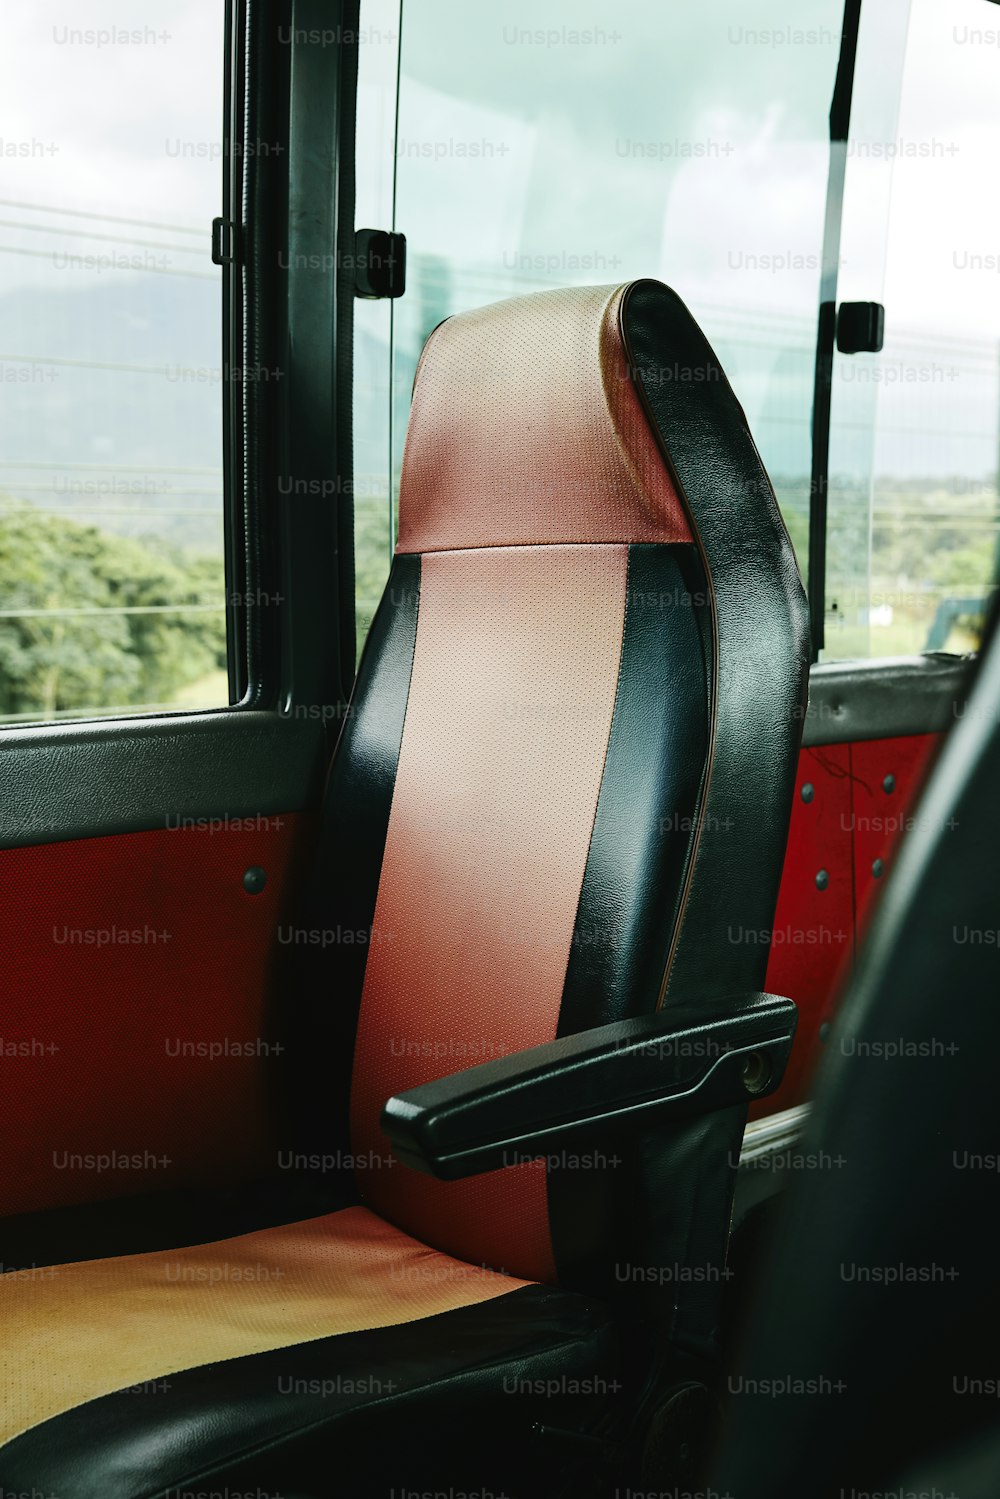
254 880
808 791
822 880
889 784
877 869
824 1032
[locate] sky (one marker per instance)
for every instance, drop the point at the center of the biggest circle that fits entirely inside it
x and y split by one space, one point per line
593 139
108 126
565 140
104 123
553 141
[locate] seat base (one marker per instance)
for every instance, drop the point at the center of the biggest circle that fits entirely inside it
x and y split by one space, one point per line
327 1356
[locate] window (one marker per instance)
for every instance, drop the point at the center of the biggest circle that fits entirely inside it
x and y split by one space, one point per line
690 143
912 545
112 589
591 143
378 65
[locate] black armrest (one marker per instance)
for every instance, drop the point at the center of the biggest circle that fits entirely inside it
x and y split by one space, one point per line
683 1061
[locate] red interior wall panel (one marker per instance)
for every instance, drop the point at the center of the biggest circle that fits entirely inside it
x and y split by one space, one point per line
814 920
134 971
852 819
133 1033
882 811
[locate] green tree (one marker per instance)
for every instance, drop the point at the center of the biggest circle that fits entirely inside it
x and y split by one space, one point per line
65 642
371 559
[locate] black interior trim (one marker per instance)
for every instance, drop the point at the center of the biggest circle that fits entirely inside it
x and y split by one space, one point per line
297 221
886 699
87 780
312 494
233 411
344 335
260 607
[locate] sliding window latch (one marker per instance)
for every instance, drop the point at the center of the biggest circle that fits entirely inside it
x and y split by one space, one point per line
223 241
860 327
379 263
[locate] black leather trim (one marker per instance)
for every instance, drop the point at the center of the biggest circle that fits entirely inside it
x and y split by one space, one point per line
85 780
449 1400
760 633
887 699
340 896
632 884
643 828
678 1221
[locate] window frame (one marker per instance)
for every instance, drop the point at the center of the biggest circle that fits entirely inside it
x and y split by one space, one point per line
293 566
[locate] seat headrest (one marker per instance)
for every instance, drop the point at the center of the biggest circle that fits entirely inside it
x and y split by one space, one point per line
526 428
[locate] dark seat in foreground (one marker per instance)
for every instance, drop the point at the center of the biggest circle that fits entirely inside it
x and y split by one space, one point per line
870 1362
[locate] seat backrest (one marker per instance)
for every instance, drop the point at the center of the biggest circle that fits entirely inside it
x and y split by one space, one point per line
567 767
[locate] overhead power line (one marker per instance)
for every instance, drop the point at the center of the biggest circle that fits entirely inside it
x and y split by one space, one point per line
112 609
116 239
90 364
107 218
142 270
139 514
105 468
86 494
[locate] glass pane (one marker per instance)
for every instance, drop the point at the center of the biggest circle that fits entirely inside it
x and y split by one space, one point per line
867 162
926 408
594 145
112 589
378 63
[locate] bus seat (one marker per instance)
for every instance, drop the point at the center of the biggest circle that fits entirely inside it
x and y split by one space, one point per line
559 803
